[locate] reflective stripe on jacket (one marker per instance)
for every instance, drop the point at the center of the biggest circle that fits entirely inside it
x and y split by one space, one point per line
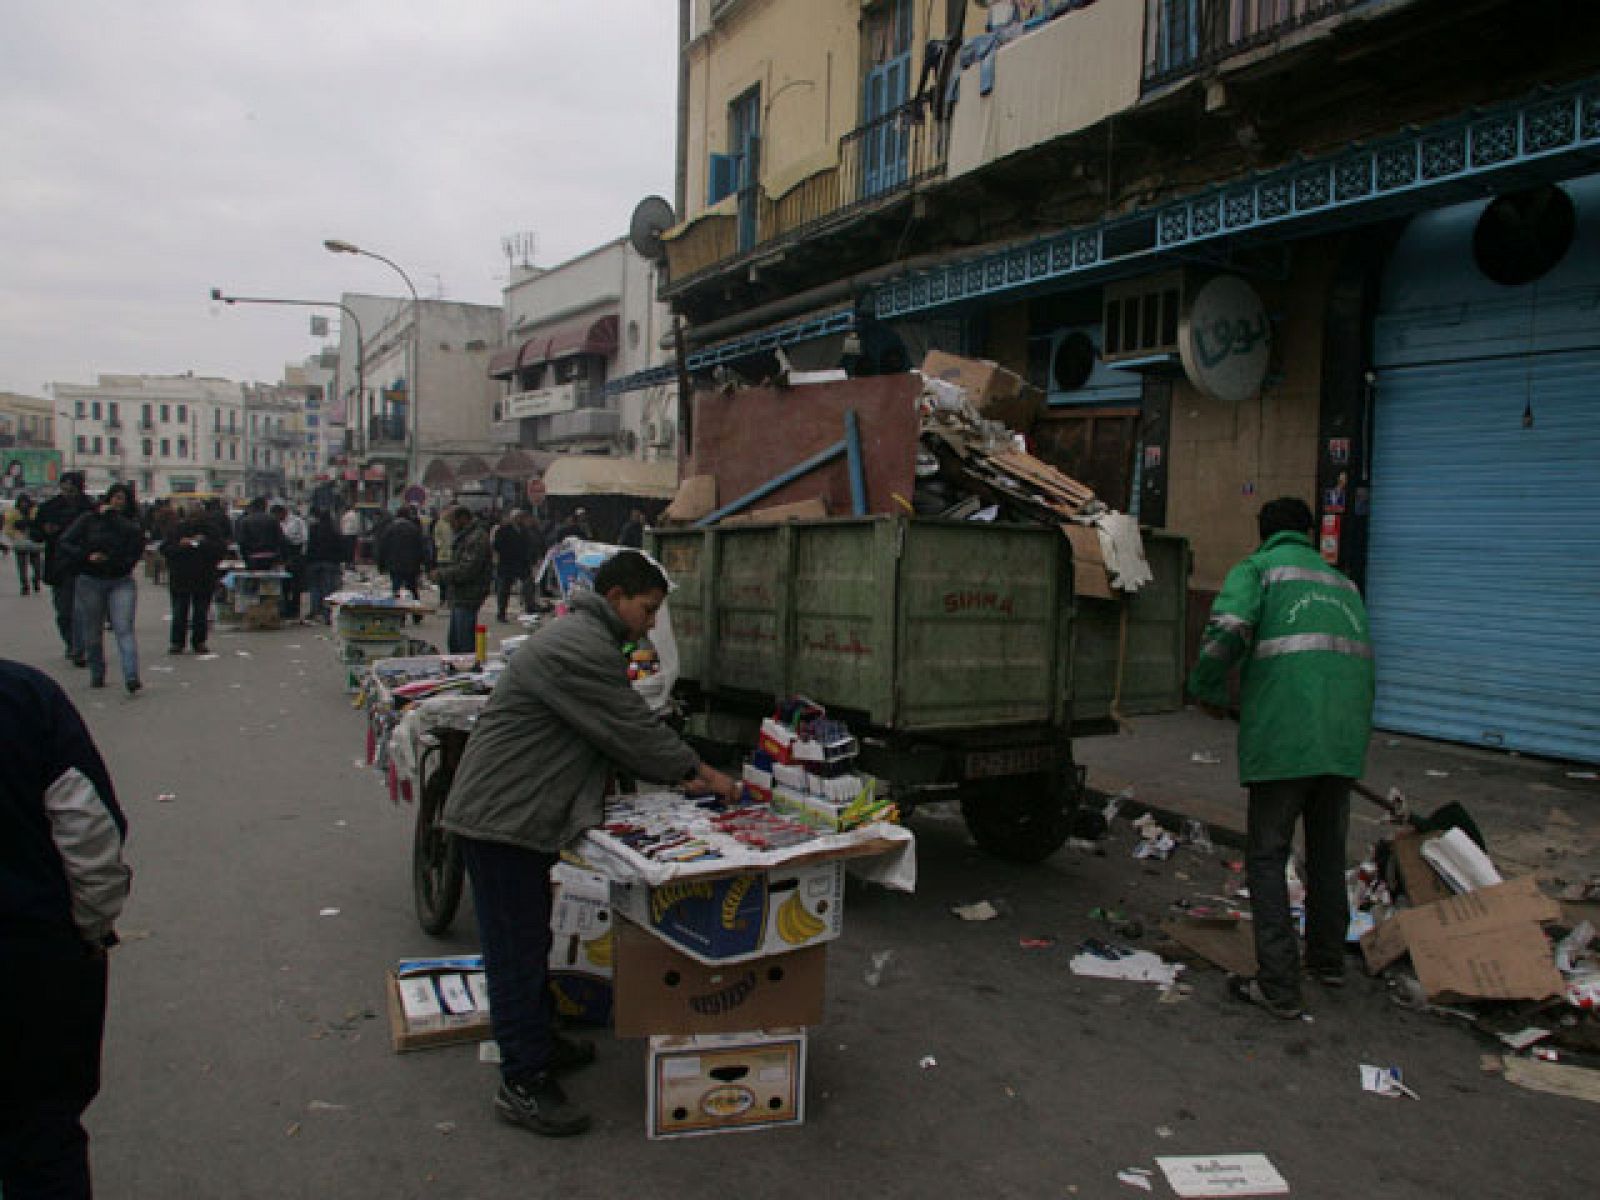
1297 628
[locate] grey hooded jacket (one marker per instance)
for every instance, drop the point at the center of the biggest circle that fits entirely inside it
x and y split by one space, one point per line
562 717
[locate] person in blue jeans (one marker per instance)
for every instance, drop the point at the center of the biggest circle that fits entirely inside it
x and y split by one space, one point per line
104 547
467 578
325 556
532 779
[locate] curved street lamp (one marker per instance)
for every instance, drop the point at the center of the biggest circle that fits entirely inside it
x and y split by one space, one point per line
340 246
361 347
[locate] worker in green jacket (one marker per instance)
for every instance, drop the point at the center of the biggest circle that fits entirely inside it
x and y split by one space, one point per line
1297 629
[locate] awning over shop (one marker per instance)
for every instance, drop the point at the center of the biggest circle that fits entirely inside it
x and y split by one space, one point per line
584 335
471 469
438 474
601 475
523 464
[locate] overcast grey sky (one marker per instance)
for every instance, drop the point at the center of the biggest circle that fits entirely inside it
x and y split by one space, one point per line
153 149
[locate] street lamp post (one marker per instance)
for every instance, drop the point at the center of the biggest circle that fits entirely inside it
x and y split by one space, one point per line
339 246
361 347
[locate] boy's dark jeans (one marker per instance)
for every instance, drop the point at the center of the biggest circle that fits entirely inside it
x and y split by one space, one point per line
1324 802
511 896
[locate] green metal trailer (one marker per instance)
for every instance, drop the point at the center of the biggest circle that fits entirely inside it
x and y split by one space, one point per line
955 649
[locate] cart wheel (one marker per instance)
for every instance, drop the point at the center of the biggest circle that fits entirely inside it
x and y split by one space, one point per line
1024 819
436 867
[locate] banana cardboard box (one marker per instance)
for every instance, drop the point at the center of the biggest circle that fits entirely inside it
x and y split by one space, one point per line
735 918
582 946
721 1083
662 991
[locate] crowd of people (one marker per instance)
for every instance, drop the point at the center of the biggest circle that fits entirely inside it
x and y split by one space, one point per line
85 551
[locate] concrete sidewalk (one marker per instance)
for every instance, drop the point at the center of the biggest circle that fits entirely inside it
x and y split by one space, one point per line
1535 815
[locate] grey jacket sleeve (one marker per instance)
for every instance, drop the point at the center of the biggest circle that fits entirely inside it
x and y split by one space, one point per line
594 697
90 845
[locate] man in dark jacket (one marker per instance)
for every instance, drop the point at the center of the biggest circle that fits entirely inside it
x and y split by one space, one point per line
467 578
402 551
192 551
104 547
533 778
513 551
325 557
62 887
261 542
50 520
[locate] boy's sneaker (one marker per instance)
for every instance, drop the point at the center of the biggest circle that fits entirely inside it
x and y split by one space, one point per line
1249 990
569 1053
540 1105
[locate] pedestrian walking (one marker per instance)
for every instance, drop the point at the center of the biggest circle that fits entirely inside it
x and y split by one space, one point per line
62 887
632 532
513 553
466 579
50 520
294 559
104 546
325 558
402 552
1297 628
29 553
192 551
562 718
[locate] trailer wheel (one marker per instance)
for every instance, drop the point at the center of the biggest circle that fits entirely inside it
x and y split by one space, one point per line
1024 819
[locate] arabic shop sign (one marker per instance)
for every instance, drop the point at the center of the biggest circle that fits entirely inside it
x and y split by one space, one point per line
1226 341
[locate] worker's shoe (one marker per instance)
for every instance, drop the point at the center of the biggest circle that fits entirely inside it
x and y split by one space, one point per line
539 1104
1249 990
569 1053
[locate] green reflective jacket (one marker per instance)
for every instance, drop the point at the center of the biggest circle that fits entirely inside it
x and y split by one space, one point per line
1298 630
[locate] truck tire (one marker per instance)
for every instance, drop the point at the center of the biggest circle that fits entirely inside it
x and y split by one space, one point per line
1023 819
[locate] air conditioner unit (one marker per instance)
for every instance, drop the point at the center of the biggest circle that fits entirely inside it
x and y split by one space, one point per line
1140 319
1068 367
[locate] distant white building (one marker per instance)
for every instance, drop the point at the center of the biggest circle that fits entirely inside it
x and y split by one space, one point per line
165 434
580 342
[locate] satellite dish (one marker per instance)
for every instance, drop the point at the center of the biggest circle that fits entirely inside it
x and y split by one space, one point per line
651 218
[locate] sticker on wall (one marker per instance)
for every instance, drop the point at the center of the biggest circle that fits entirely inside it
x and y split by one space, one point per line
1152 458
1339 451
1248 488
1333 499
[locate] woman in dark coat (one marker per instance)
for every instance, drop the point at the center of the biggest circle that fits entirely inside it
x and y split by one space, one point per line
103 547
192 550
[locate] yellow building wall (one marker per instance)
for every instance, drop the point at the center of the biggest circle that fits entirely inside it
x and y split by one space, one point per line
1226 460
806 57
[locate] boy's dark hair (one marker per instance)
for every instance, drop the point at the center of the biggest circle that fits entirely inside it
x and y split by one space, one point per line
632 572
1287 514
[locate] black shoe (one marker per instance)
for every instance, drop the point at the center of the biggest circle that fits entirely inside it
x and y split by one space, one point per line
97 683
78 660
134 687
569 1053
1249 990
1328 977
174 649
202 648
540 1105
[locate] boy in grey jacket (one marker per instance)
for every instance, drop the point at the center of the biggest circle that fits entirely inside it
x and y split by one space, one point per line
532 779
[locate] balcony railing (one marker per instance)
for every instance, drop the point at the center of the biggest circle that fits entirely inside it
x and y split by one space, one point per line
878 161
1184 37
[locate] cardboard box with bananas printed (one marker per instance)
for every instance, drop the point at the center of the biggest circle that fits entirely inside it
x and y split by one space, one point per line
719 1083
738 917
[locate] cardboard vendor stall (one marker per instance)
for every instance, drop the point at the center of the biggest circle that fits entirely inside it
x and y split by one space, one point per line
371 626
254 599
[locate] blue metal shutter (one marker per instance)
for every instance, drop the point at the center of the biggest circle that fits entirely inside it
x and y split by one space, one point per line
1484 562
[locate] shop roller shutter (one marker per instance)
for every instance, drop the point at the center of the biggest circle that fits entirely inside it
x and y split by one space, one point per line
1484 565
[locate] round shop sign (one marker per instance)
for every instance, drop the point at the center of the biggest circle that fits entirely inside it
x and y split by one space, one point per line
1226 340
416 494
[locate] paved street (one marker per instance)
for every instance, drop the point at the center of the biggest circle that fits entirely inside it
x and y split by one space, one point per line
248 1054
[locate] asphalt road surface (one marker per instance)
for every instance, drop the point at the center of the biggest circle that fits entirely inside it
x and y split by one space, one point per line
247 1051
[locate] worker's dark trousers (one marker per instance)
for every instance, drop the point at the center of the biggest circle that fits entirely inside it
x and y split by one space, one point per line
511 896
1324 802
52 1014
64 597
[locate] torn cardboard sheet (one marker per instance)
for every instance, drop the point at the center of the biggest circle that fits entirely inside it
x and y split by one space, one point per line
1576 1083
1223 1175
1229 946
1484 945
